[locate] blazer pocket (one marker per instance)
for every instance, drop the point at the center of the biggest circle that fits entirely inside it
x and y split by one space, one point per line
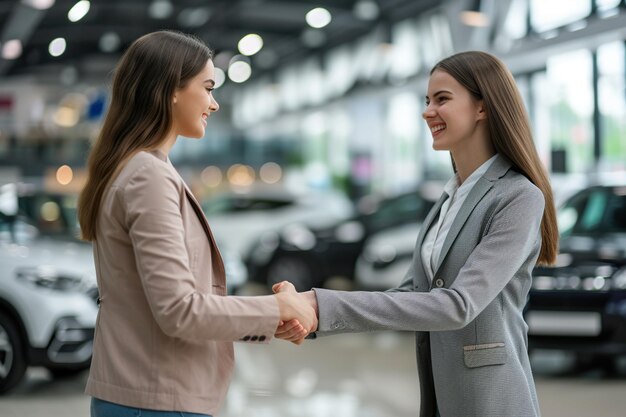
484 355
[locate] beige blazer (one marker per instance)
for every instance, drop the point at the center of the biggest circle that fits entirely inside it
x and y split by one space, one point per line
165 328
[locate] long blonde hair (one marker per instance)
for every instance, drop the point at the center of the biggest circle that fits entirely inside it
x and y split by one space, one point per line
140 112
489 80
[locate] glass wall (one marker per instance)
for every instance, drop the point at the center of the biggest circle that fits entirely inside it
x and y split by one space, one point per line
563 111
547 15
612 105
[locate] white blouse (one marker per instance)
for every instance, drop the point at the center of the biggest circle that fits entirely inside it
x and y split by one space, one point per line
436 235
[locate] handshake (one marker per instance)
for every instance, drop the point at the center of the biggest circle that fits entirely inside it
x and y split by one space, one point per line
298 312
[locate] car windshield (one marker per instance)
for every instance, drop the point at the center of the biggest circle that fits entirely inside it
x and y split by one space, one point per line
406 208
596 210
52 214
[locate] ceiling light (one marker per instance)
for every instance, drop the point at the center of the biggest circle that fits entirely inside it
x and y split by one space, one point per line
57 47
239 71
318 17
160 9
219 76
270 172
476 19
12 49
366 10
472 15
64 175
235 58
39 4
79 11
250 44
211 176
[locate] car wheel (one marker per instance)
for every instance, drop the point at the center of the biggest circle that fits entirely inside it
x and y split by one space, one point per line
294 269
12 358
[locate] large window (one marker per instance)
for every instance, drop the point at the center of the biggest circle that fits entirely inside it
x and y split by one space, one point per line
612 105
515 23
402 170
547 15
563 109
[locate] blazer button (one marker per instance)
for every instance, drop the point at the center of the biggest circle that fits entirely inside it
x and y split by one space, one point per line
337 325
262 338
246 338
254 338
439 283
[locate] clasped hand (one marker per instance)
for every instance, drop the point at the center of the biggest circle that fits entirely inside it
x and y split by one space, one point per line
298 312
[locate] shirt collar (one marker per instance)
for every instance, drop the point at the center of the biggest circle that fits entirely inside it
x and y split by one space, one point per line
453 184
480 171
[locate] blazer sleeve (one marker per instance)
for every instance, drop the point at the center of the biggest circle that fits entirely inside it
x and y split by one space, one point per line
407 282
154 221
513 235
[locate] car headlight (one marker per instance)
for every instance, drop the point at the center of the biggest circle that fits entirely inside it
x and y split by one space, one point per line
49 277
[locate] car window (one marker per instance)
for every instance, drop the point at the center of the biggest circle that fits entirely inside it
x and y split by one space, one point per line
616 210
403 209
14 229
264 204
596 210
591 218
241 204
52 214
216 205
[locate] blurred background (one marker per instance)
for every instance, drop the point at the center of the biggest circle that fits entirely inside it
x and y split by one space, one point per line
318 168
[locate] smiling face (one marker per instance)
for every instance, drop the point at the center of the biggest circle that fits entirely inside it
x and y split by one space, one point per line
194 103
452 113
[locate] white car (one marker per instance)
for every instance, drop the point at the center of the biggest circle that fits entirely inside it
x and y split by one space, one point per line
48 303
386 258
238 220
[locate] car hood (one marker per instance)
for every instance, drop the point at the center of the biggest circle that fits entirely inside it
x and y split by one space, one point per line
579 249
585 258
68 256
402 238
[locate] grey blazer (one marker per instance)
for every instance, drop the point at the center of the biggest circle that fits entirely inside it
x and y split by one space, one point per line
471 338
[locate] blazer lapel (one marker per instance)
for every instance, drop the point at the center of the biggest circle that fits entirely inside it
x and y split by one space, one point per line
216 257
426 225
498 168
218 263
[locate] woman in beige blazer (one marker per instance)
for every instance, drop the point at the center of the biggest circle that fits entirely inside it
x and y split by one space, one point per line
467 286
163 340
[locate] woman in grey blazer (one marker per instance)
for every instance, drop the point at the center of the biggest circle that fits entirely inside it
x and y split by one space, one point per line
471 272
163 339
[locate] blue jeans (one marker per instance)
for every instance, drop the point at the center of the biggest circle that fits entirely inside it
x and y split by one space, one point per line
100 408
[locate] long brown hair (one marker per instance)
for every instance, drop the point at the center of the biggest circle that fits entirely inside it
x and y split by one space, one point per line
140 113
489 80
